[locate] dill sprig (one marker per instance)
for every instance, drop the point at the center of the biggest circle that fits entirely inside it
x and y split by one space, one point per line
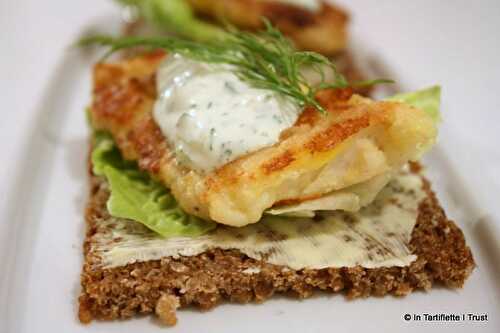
265 60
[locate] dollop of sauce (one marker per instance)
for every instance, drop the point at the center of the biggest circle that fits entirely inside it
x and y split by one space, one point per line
211 117
312 5
375 236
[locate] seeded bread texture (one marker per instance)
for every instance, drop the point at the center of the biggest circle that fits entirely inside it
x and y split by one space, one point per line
204 280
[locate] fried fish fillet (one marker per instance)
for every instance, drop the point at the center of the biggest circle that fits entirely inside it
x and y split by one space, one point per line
355 141
324 31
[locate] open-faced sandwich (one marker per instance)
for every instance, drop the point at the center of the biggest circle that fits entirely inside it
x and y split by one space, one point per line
219 171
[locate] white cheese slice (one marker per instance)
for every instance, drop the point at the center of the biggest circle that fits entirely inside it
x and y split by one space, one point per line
376 236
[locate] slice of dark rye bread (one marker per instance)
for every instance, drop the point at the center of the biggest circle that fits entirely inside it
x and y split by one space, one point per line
204 280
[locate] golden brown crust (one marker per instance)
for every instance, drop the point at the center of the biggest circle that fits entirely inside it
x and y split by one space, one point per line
336 133
148 143
123 97
279 162
204 280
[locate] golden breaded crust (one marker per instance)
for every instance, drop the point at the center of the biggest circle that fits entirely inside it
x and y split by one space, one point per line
295 168
324 31
204 280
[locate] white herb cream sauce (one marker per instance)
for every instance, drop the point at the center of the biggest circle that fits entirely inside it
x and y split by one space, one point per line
211 117
312 5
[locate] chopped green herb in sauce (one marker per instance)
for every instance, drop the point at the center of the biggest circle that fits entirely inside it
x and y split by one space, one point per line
212 132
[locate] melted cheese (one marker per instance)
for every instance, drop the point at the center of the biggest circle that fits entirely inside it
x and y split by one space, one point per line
376 236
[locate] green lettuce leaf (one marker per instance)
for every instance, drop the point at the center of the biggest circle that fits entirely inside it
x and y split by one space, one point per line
136 196
428 100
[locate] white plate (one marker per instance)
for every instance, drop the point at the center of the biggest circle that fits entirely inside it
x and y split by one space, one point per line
42 245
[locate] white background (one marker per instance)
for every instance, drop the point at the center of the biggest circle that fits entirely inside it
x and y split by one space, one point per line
453 43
